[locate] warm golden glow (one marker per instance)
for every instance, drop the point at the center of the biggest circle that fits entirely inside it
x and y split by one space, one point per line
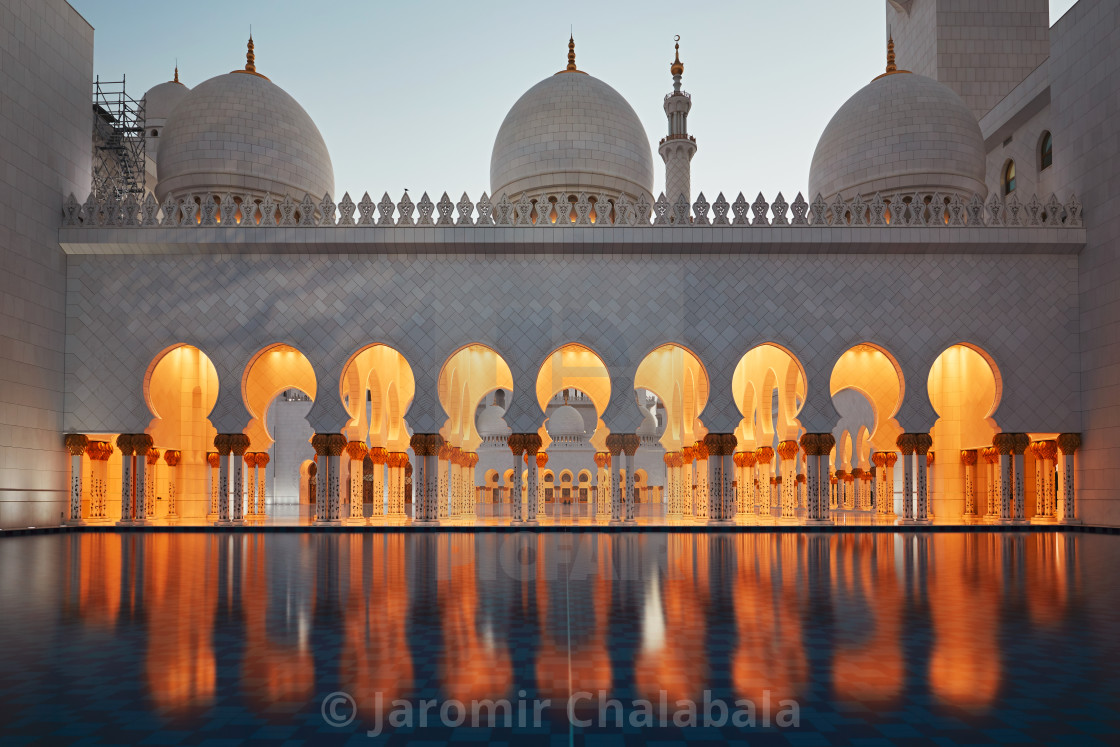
679 379
377 387
574 366
470 374
763 370
268 374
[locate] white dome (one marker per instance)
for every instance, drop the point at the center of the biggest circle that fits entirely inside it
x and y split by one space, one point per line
565 421
490 422
242 133
571 133
903 133
649 424
160 100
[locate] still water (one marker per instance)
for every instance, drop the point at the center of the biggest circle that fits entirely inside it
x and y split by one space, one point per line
559 638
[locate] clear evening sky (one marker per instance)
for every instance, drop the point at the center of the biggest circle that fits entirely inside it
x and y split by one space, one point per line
411 94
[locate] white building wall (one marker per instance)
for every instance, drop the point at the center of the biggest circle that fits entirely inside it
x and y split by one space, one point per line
46 65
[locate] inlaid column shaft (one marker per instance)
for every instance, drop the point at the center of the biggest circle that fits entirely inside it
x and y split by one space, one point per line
76 444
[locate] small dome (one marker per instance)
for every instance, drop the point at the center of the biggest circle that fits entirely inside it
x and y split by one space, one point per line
490 422
161 100
242 133
902 133
565 421
571 133
649 424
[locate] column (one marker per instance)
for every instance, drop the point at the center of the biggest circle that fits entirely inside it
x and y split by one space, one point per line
99 453
907 442
516 443
888 507
443 458
672 510
745 488
840 490
379 461
152 460
141 445
319 443
124 443
1068 443
817 448
614 446
470 461
533 488
223 448
787 453
1019 446
1005 475
721 449
76 444
357 451
855 479
213 459
701 503
879 459
395 462
262 484
602 485
929 484
922 445
764 455
251 485
688 456
1046 454
172 458
239 444
630 444
989 456
969 457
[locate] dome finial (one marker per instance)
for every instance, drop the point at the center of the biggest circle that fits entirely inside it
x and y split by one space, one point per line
250 58
891 67
677 68
571 52
176 71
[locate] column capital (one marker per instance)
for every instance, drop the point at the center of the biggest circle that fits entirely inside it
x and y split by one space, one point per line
262 458
929 459
907 443
1046 449
470 458
516 443
856 473
787 450
892 457
172 457
969 457
721 444
602 459
76 443
1069 442
700 450
879 458
124 443
1003 443
688 454
1020 443
378 455
990 454
357 450
817 444
152 455
238 443
426 444
99 450
533 442
213 458
764 454
141 443
223 446
614 443
630 443
542 459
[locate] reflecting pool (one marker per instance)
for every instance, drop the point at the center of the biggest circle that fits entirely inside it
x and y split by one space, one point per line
180 638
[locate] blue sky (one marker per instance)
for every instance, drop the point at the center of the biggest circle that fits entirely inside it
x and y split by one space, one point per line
410 94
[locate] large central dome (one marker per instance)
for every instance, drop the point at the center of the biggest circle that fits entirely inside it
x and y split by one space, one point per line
571 133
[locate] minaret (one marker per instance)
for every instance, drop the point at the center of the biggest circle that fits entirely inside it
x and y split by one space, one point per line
678 147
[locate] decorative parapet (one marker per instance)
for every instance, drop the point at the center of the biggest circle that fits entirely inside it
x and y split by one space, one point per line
545 211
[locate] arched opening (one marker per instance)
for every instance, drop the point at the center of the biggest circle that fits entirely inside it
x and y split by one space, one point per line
181 389
1008 179
964 387
473 387
279 387
867 389
377 387
1046 151
769 388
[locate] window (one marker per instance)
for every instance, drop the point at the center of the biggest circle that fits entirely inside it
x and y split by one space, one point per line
155 133
1046 151
1009 178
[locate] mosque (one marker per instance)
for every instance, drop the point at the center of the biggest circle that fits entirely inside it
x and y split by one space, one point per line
198 330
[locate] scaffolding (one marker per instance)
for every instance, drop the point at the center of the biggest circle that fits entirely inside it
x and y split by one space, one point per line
118 141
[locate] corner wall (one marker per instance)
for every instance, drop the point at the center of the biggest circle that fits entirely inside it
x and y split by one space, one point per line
46 65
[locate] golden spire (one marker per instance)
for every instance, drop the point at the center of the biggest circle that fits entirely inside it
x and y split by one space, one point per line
892 69
677 68
250 60
176 72
250 65
571 68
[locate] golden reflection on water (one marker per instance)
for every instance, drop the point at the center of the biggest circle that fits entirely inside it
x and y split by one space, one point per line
393 612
